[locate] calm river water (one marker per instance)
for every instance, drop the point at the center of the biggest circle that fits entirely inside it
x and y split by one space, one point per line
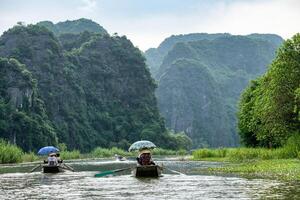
16 183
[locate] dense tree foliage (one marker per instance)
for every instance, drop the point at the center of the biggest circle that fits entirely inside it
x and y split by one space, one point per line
200 79
89 90
22 113
269 108
73 27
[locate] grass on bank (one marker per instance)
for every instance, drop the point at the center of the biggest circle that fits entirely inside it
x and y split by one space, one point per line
281 163
290 150
280 169
10 153
242 154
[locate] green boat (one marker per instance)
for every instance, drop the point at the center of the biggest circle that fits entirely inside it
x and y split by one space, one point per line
147 171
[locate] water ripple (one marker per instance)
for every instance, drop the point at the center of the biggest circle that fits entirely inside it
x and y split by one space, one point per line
82 185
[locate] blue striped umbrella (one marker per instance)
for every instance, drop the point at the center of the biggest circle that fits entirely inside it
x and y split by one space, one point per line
47 150
143 144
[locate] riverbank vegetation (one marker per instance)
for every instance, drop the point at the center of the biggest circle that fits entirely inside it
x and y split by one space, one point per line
281 163
290 150
10 153
280 169
278 163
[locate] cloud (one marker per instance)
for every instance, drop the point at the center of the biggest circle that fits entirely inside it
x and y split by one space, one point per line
88 5
244 17
147 23
236 17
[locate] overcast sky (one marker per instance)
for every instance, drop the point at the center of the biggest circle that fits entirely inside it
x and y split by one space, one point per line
148 22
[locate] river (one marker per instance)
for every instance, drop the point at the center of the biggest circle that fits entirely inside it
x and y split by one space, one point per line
17 183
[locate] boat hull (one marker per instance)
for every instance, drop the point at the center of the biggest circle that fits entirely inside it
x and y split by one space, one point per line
52 169
147 171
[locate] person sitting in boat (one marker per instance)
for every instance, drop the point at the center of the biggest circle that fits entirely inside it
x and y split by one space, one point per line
52 160
145 158
59 160
119 158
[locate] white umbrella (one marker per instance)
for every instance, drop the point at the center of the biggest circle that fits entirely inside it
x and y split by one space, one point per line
143 144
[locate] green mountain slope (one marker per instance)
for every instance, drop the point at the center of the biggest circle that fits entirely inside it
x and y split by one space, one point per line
95 91
229 63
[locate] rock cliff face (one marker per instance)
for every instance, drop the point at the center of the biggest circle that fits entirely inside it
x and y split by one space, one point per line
195 110
17 96
200 78
92 89
23 120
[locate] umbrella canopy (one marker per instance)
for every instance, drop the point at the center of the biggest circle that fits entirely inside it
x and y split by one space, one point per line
143 144
47 150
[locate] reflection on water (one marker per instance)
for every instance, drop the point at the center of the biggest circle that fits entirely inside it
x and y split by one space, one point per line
82 184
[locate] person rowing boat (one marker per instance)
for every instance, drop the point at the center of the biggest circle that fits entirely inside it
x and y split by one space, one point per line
119 157
52 159
145 158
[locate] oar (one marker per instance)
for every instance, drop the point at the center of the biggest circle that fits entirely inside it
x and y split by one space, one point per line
105 173
63 167
33 169
68 167
177 172
174 171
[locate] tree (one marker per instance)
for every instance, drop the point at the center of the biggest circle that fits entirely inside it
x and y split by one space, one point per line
273 104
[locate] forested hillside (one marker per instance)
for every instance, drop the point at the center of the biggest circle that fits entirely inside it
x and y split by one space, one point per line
73 27
85 89
155 56
23 119
269 111
200 78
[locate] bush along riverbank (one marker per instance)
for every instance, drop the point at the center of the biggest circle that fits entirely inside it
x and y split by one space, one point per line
281 163
10 153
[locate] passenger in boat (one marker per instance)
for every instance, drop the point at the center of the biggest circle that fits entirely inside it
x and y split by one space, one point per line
59 160
145 158
52 160
119 158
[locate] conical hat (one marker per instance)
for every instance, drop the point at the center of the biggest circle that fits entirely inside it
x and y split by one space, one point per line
145 151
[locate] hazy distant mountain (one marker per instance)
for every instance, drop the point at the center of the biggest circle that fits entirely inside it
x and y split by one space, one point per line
272 38
155 56
200 81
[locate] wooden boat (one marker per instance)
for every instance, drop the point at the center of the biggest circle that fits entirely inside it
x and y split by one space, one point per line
147 171
52 169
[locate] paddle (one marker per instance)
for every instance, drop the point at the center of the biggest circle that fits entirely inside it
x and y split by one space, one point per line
105 173
174 171
177 172
63 167
68 167
33 169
